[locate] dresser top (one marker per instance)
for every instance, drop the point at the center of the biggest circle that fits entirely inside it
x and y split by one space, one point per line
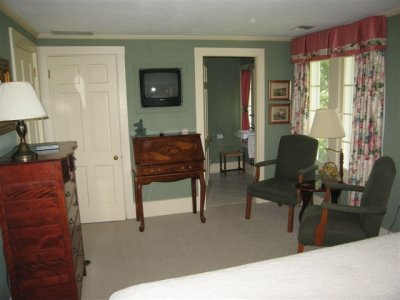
64 149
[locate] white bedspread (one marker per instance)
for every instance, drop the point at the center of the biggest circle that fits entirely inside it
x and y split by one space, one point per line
368 269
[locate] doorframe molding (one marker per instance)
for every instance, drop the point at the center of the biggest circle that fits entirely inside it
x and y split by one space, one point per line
45 52
259 67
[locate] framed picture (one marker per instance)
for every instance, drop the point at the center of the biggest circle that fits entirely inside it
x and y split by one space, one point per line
279 113
279 90
5 126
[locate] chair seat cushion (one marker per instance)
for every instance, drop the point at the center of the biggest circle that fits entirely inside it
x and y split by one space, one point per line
278 190
341 227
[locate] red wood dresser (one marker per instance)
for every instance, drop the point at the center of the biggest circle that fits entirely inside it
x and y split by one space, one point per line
165 159
41 229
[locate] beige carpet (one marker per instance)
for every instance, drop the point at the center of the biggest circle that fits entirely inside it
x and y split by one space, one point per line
180 244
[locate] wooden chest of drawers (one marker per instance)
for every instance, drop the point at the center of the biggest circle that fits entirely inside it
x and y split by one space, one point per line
40 223
165 159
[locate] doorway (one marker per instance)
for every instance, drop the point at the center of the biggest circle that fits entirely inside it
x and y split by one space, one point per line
225 113
258 89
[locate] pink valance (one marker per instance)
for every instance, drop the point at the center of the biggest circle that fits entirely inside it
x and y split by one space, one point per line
365 35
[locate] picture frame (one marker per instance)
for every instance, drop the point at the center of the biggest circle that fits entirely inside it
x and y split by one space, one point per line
5 126
279 113
279 90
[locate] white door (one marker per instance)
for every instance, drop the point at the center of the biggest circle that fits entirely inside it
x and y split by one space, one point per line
24 67
84 107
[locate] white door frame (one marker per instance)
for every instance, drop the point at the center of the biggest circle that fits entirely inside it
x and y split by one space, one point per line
119 52
259 67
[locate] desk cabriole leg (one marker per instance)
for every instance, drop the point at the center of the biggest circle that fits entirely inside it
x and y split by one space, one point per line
202 197
140 206
194 204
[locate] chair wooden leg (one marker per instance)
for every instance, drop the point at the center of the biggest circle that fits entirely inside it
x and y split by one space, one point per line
300 248
248 206
290 219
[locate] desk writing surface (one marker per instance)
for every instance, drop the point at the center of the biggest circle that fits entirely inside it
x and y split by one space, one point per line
167 149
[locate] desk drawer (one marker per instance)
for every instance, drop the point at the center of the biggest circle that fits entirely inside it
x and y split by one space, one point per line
168 169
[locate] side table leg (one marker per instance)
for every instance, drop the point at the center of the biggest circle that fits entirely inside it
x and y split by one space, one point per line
306 198
248 206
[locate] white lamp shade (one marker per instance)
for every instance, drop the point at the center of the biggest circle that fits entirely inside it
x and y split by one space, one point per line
19 101
327 124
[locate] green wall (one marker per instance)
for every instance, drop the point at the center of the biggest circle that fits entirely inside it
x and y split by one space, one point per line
223 104
180 53
391 142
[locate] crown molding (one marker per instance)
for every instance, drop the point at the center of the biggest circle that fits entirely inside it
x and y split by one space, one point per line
15 17
162 37
392 12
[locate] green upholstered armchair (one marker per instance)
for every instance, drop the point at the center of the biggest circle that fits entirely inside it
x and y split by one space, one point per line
333 224
295 162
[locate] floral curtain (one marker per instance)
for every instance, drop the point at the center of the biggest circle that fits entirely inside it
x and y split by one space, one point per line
368 108
301 98
245 78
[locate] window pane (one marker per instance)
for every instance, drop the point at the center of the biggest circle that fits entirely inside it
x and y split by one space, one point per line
349 70
348 99
347 120
346 154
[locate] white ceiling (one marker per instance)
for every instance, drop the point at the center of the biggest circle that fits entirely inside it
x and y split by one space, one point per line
229 19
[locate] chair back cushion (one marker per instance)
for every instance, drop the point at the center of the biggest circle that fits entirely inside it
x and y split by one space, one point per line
295 152
376 193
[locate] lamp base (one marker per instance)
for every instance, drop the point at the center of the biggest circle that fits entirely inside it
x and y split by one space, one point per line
24 154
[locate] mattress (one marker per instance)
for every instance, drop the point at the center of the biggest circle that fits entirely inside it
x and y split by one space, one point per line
367 269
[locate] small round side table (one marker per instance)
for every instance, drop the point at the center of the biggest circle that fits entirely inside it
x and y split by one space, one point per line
308 188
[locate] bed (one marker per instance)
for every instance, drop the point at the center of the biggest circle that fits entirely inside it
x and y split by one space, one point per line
368 269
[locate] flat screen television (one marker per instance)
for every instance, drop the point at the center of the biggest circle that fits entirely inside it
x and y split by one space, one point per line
160 87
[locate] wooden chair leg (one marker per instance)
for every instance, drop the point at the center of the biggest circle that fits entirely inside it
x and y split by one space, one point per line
300 248
248 206
290 219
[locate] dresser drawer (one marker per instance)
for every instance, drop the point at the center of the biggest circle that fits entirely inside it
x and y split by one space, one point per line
168 169
76 239
69 193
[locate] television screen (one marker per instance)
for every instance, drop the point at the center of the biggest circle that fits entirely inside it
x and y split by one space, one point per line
160 87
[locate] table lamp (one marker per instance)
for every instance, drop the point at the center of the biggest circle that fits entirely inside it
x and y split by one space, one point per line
327 125
19 102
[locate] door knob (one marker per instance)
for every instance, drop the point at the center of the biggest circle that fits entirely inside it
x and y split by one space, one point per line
116 157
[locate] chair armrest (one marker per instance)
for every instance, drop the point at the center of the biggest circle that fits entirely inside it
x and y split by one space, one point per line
344 186
308 169
355 209
302 172
266 163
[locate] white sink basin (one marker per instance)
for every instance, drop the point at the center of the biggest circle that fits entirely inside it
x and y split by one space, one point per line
244 134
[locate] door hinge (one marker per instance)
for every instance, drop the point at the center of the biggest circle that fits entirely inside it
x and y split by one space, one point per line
34 72
48 73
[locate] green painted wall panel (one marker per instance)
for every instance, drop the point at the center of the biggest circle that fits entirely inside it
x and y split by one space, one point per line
223 104
391 142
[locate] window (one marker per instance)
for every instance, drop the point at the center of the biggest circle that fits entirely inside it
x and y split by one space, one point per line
332 86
